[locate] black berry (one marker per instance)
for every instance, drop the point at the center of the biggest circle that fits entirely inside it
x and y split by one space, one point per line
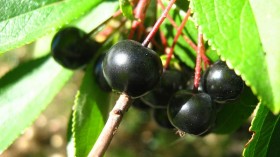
71 48
191 113
132 68
221 83
99 76
170 82
161 118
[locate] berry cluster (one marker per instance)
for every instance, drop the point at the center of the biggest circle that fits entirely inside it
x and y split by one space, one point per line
195 112
137 71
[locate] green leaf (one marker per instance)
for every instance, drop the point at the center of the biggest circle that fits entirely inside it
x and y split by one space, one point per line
246 40
234 114
25 92
90 114
268 24
127 9
22 22
266 133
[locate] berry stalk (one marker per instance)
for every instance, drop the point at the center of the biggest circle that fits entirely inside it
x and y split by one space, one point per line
111 126
140 11
179 32
188 40
158 23
116 14
104 34
200 50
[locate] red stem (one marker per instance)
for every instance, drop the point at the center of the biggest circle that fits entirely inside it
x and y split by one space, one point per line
108 30
163 41
200 50
158 23
116 14
175 25
180 29
140 15
186 38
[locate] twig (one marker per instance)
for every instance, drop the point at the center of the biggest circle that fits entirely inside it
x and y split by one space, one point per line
158 23
200 50
111 126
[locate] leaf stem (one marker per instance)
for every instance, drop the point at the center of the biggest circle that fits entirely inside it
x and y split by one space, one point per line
158 23
111 126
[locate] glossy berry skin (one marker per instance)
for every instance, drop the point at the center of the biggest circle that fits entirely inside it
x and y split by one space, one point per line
71 48
221 83
161 118
132 68
170 82
191 113
99 76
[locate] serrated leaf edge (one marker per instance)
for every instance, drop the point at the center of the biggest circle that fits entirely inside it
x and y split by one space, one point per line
250 128
77 96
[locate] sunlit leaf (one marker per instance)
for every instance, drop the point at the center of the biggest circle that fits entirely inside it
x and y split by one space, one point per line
25 92
22 22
